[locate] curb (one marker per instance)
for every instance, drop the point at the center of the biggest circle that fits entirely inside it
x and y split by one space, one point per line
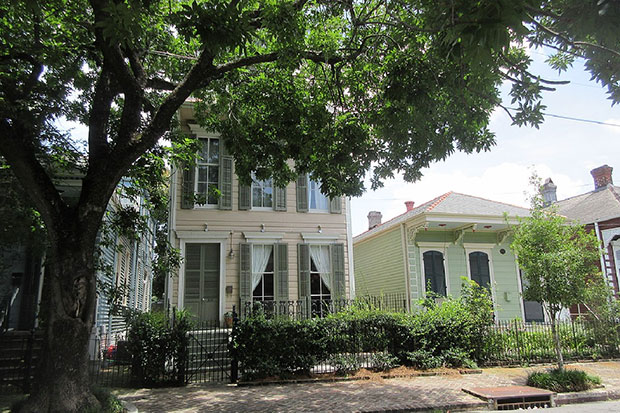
432 408
586 397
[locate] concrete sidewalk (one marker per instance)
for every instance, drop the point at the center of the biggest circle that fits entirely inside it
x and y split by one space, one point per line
390 395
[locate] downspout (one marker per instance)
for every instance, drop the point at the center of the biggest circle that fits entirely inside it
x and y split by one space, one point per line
602 255
403 236
350 248
171 227
40 291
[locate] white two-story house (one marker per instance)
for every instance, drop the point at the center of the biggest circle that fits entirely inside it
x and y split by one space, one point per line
252 243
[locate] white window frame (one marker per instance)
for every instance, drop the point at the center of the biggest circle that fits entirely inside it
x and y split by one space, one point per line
201 237
434 246
318 192
200 163
487 249
262 186
273 272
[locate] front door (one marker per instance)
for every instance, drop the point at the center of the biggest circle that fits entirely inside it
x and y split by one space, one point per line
202 281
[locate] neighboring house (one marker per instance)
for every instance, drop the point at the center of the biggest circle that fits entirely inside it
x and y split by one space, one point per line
435 244
22 271
252 243
599 211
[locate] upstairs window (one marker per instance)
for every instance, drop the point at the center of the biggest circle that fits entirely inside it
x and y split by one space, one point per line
316 200
262 193
208 171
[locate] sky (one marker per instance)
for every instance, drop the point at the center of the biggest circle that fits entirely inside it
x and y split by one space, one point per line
563 150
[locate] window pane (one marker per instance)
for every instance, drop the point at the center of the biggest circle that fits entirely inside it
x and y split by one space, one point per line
211 196
213 174
258 291
268 280
256 196
315 283
204 150
267 197
202 173
214 150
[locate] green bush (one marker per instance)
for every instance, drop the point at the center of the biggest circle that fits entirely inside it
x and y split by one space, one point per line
452 333
158 348
561 381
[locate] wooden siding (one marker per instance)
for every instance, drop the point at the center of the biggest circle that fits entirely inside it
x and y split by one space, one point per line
290 223
379 264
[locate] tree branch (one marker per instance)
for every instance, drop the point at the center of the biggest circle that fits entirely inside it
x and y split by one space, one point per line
16 146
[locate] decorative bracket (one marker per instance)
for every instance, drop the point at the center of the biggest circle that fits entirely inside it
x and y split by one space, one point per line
502 235
412 231
459 233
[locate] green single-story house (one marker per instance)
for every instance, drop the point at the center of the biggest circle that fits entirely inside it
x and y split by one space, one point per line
435 244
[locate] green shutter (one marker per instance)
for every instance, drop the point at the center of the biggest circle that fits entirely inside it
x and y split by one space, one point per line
281 271
335 205
226 173
279 203
245 273
187 187
302 193
338 281
303 265
244 197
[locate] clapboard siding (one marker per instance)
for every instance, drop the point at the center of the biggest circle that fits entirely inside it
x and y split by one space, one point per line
379 265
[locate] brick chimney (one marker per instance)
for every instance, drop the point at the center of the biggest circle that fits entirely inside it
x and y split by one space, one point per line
409 205
374 219
548 192
602 176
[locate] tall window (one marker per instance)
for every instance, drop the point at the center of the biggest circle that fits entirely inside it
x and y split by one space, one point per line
262 273
320 272
316 200
479 268
434 273
262 193
207 170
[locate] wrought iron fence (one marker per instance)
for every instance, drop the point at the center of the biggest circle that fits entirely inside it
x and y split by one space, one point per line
309 308
517 342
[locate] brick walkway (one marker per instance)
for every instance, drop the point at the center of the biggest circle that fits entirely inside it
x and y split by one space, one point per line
419 393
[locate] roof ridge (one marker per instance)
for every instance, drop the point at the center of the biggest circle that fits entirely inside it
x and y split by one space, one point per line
438 200
491 200
417 209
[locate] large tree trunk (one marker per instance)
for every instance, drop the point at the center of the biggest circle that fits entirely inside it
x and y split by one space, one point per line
62 378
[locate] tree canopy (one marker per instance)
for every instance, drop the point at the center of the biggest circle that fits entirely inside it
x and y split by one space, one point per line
342 87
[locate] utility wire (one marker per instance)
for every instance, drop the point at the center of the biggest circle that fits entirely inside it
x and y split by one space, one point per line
598 122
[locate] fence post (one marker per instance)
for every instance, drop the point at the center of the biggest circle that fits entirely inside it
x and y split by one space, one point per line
28 361
517 340
576 352
234 361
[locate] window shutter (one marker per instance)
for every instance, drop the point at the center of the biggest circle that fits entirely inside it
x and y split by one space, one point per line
245 273
302 193
279 203
335 205
303 264
281 261
187 187
244 197
338 281
226 176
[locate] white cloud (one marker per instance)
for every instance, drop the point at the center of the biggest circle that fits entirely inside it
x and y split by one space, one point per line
613 129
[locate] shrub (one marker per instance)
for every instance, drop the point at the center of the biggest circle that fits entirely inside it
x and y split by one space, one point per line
423 359
383 361
562 380
345 363
158 348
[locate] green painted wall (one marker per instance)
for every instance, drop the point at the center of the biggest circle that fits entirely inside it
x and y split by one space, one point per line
379 265
506 288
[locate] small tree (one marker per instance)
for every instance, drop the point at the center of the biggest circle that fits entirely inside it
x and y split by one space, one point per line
557 258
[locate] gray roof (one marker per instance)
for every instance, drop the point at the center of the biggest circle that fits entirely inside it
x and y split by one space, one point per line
598 205
456 204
